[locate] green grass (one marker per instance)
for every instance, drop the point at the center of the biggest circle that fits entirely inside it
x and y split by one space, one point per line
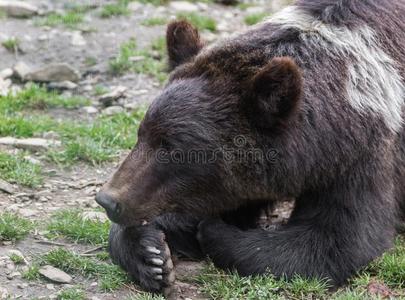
153 62
110 277
69 19
17 259
115 9
90 61
14 227
388 270
255 18
32 273
70 224
220 285
11 44
154 2
122 63
145 296
155 21
16 169
94 141
199 21
73 293
37 97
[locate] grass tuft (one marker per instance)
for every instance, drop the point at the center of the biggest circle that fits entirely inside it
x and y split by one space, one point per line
71 294
110 276
16 169
155 21
69 19
37 97
17 259
255 18
199 21
13 227
32 273
70 224
152 61
115 9
11 44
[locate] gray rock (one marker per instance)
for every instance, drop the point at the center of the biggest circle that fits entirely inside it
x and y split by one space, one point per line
13 275
16 252
4 294
77 39
95 216
6 187
113 110
6 73
62 85
5 85
54 72
21 70
183 6
26 212
18 9
89 110
33 144
109 98
55 274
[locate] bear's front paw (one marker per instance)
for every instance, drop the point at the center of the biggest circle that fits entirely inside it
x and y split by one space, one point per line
145 255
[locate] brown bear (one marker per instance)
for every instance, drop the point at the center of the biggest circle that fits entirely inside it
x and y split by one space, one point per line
307 105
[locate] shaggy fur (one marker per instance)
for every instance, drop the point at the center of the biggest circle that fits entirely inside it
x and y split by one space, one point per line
321 84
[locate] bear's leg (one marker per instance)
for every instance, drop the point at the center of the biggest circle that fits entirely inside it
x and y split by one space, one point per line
326 237
143 251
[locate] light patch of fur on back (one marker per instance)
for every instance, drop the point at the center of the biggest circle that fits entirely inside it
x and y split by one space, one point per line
374 84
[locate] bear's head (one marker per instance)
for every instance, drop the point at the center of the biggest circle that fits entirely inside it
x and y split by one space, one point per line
204 145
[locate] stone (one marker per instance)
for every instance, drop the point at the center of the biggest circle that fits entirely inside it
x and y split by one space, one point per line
13 275
51 135
137 58
55 274
21 69
6 187
109 98
135 6
27 212
89 110
18 9
62 85
54 72
113 110
5 85
78 39
95 216
4 294
183 6
16 252
33 144
6 73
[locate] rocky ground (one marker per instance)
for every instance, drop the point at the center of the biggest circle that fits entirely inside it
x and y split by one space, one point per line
96 65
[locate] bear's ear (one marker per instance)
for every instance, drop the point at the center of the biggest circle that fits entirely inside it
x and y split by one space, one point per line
183 42
277 89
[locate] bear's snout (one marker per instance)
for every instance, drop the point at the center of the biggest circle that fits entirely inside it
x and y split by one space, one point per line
113 208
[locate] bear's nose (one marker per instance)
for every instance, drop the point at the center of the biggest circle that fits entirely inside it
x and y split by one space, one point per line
112 207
